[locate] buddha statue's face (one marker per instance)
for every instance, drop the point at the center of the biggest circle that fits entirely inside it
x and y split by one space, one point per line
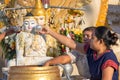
40 20
29 24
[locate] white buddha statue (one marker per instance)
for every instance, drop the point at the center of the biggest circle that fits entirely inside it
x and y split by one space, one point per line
30 46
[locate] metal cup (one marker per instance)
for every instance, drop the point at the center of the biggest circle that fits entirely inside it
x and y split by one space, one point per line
38 28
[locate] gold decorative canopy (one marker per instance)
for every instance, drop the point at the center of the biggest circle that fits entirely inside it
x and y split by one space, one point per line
39 9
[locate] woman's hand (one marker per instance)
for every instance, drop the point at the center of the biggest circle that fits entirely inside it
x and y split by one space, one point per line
9 32
2 36
46 64
6 33
12 30
44 30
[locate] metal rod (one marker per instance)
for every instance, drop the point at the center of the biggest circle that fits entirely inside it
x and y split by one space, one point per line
18 8
61 7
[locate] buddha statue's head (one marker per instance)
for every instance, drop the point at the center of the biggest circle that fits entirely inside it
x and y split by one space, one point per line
40 20
39 13
29 23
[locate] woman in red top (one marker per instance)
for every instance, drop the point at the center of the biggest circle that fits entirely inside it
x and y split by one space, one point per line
99 47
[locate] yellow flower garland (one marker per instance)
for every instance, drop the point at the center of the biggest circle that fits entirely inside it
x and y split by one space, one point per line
103 13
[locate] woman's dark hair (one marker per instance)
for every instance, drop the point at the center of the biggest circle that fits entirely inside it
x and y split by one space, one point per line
109 38
92 29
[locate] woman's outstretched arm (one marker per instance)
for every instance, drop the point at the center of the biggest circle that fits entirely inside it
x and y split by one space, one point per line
64 40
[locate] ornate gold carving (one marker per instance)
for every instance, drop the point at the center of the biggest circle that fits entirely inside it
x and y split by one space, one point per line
76 12
26 2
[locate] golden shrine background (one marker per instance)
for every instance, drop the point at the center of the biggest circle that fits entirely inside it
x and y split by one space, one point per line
94 14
